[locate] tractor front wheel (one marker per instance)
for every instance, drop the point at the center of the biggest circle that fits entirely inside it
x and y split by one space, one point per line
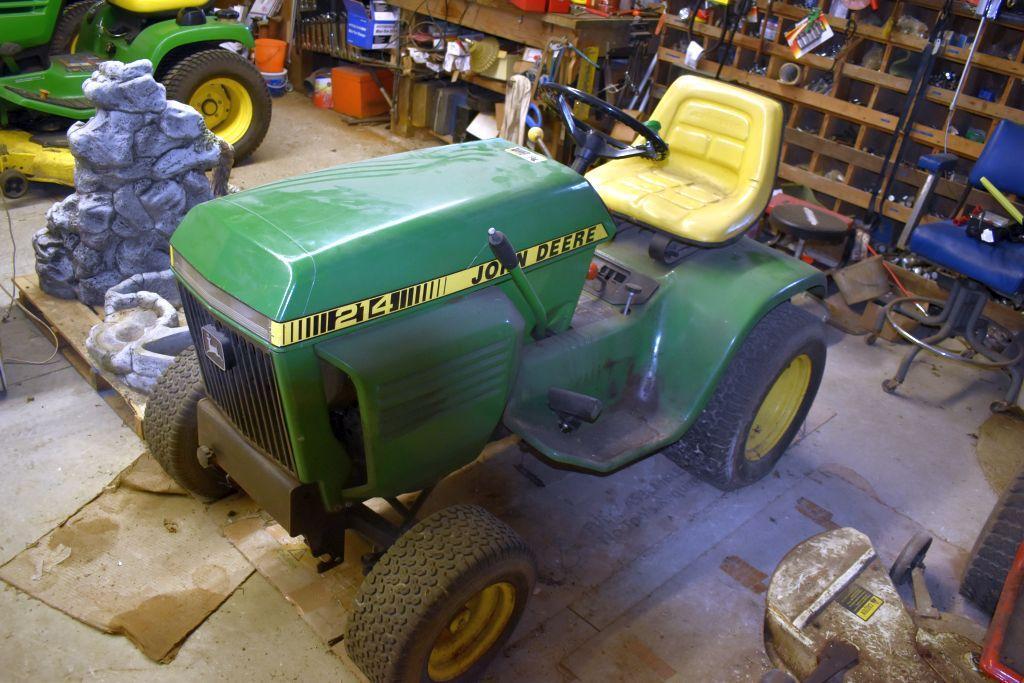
760 402
228 91
172 431
442 601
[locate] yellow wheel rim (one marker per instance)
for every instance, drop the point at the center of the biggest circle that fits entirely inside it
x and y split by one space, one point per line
73 47
779 407
472 632
226 107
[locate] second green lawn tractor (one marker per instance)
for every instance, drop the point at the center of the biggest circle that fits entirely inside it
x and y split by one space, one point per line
49 48
363 331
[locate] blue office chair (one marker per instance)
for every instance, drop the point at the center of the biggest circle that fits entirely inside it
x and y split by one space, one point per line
981 269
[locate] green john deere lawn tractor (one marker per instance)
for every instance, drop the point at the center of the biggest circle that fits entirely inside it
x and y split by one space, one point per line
49 48
363 331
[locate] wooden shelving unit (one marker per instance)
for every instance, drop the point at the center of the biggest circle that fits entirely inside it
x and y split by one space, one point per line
503 20
835 137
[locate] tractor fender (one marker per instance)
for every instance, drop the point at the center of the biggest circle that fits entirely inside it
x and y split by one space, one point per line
160 39
713 302
665 360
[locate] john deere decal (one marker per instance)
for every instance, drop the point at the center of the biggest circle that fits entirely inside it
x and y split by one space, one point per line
359 312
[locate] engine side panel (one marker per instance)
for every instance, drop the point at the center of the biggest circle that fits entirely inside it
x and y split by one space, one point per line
431 387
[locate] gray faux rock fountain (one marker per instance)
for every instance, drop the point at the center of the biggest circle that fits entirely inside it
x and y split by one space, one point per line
140 165
141 332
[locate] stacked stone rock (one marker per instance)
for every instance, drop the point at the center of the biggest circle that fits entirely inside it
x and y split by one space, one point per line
140 165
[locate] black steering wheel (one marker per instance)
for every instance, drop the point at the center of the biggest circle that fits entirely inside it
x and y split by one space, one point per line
592 144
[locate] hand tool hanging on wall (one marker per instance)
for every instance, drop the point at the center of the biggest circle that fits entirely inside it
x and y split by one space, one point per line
988 9
730 24
641 42
915 94
762 36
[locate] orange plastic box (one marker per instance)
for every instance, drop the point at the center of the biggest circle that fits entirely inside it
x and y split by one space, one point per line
355 92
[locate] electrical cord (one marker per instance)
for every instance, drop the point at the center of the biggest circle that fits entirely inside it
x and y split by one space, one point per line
14 299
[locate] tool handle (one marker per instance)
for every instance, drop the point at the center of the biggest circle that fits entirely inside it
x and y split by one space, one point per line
502 249
1003 201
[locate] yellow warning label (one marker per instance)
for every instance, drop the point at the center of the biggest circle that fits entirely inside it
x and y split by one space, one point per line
860 601
378 306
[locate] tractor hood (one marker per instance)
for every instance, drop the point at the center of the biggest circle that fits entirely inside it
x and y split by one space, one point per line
318 241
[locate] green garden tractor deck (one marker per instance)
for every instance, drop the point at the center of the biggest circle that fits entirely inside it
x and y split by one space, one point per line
363 331
48 49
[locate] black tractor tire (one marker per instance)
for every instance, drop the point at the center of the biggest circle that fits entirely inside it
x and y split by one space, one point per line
714 448
68 25
997 544
426 582
186 75
172 431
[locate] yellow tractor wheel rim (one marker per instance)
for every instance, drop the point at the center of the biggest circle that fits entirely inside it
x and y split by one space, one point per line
779 407
226 107
74 44
472 632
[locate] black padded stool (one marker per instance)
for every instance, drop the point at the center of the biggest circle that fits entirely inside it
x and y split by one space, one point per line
806 224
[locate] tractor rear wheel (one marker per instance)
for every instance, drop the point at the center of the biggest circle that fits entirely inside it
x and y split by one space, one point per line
760 402
172 432
995 549
442 601
65 34
228 91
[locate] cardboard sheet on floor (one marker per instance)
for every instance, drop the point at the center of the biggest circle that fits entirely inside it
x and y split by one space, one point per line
140 560
1001 448
323 600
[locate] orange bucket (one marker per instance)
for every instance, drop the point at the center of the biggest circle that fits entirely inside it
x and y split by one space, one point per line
270 54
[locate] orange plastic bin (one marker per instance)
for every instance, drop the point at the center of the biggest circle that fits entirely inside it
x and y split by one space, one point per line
355 92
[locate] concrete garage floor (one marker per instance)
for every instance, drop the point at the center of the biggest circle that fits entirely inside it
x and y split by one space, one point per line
646 575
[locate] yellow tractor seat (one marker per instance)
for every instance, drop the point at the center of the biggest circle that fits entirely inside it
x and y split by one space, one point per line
156 6
719 173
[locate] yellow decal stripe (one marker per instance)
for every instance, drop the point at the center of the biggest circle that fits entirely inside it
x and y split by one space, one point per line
359 312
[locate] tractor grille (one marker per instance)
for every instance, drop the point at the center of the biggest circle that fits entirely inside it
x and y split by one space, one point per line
246 392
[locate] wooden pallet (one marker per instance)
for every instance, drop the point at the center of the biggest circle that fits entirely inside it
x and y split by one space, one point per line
71 321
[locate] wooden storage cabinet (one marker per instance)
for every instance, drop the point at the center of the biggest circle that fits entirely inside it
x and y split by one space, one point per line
835 140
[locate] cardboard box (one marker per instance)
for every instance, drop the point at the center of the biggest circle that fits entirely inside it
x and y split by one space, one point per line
501 69
624 133
371 28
